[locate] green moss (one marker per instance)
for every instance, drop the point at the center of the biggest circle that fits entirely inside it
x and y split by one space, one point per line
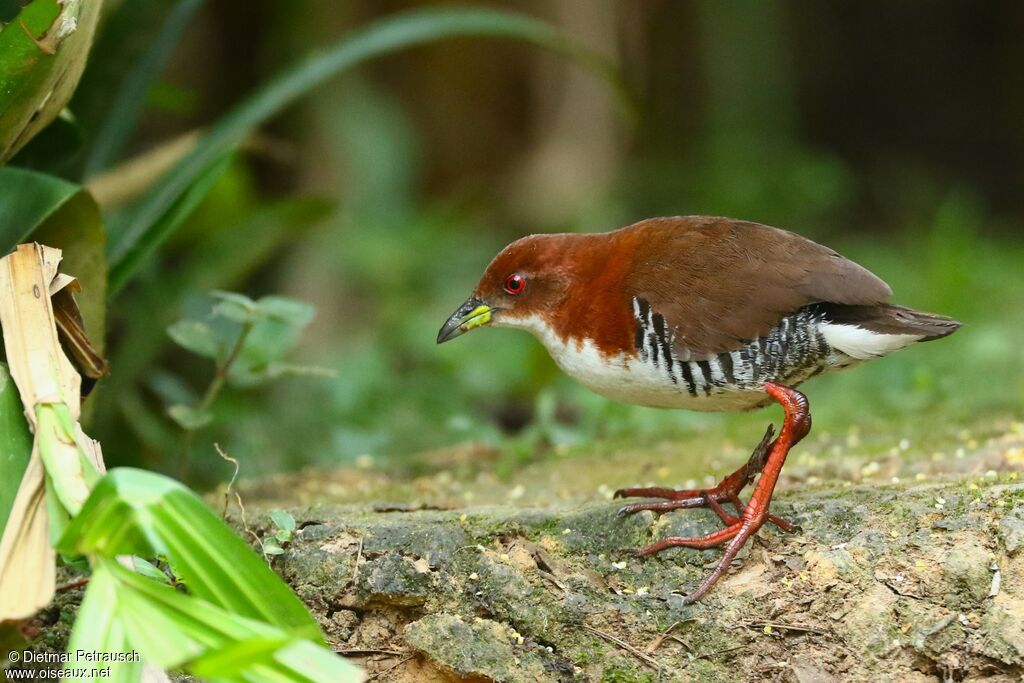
623 674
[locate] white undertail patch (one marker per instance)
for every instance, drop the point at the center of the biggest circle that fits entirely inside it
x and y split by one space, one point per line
862 344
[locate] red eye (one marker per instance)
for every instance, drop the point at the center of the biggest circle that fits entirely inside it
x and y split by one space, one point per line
515 284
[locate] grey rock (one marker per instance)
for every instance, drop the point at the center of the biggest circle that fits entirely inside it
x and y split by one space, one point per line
395 580
475 648
966 567
1011 529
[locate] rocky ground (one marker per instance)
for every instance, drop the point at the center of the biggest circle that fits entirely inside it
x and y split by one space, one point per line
908 565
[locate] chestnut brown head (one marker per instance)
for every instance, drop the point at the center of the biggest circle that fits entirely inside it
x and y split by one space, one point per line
528 278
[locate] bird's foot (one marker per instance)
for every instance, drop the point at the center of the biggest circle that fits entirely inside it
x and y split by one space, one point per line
767 459
727 491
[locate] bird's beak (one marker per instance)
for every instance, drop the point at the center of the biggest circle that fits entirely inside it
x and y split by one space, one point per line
473 313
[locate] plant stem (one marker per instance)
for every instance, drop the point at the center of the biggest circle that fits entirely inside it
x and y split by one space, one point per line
220 378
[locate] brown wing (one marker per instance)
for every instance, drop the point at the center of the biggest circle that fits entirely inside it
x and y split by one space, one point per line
720 283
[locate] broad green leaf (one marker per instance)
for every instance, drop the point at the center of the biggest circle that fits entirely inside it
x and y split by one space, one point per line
127 104
42 56
149 570
63 215
15 444
233 658
197 337
291 311
98 628
139 235
189 418
316 663
27 199
276 325
283 520
235 307
174 630
133 512
156 629
271 547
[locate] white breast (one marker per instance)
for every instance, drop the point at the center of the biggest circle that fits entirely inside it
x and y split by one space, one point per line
627 379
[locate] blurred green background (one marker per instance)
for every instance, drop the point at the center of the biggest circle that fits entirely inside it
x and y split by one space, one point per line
891 132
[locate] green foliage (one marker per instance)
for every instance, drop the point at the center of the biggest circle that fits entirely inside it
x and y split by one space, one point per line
285 524
248 350
143 229
15 444
237 621
69 470
27 200
42 55
125 108
134 512
63 215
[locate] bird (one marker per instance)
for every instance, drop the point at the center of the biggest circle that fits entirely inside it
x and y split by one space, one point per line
700 313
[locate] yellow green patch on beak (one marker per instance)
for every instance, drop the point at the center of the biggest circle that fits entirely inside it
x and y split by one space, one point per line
472 314
481 315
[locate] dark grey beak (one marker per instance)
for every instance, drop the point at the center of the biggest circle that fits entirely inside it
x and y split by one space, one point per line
473 313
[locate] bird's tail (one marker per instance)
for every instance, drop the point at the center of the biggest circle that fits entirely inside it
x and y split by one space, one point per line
864 332
892 319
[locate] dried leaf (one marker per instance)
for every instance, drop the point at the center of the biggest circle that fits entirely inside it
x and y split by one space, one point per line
49 389
27 560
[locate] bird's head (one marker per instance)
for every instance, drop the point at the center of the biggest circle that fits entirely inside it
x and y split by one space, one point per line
524 283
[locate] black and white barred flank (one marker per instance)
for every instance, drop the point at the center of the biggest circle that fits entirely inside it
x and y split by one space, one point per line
793 351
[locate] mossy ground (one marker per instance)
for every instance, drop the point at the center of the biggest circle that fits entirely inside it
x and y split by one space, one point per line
907 565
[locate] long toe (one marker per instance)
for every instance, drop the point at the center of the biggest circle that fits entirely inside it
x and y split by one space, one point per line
653 492
662 506
739 539
783 524
700 543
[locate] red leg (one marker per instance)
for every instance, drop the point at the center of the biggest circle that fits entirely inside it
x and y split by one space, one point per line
795 427
726 490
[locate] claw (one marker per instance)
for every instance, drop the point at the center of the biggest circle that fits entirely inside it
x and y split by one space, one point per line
760 454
